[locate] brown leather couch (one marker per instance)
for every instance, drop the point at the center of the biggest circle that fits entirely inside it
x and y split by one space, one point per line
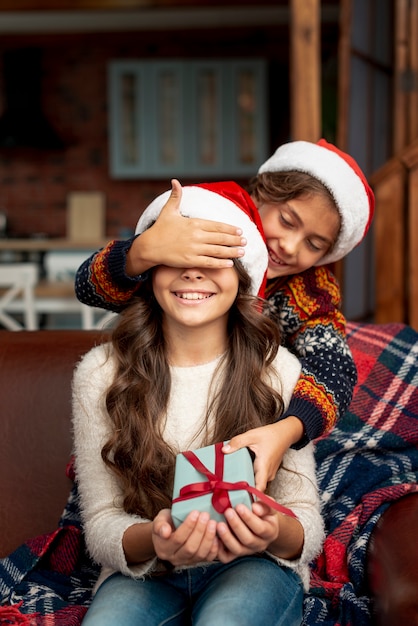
35 446
35 432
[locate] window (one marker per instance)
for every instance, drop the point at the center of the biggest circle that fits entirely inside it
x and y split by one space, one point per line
187 118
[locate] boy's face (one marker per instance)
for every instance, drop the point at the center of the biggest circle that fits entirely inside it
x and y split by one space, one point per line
298 233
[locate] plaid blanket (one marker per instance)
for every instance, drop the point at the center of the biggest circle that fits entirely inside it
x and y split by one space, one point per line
369 460
48 580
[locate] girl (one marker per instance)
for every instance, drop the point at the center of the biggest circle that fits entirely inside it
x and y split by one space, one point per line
192 361
300 190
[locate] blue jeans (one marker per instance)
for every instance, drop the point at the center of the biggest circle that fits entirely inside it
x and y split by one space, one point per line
250 591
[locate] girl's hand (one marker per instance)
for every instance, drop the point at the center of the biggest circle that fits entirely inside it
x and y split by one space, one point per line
247 531
269 443
192 542
179 241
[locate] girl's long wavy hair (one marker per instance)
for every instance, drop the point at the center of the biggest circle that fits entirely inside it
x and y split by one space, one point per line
138 397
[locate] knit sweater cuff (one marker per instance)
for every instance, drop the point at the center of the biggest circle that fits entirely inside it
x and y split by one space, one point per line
117 264
309 415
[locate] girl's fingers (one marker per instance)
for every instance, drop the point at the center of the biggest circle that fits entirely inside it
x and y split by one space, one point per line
195 540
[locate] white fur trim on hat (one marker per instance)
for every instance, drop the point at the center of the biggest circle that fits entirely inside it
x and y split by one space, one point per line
339 177
202 203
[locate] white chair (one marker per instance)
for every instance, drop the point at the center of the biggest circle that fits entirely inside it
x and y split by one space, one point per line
94 318
51 296
55 295
60 268
17 284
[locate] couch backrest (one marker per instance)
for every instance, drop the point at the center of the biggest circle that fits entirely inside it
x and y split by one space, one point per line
35 428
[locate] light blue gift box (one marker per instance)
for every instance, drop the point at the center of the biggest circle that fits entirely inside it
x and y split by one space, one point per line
237 467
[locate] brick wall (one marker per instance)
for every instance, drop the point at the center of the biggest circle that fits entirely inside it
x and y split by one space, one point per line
34 184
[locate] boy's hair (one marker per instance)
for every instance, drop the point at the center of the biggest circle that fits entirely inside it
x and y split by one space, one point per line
284 186
137 398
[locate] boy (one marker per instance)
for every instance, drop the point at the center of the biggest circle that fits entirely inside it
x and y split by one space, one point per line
316 206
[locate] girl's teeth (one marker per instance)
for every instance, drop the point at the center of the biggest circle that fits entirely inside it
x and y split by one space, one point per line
193 296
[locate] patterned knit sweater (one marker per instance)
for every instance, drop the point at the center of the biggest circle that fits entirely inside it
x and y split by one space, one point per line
307 309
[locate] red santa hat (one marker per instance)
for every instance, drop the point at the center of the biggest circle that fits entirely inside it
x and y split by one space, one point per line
342 176
223 202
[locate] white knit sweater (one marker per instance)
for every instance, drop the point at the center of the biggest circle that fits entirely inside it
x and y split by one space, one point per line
104 519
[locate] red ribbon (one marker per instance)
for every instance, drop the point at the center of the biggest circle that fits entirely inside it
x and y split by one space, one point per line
219 488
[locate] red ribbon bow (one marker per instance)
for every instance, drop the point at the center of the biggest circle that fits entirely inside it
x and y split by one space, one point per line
219 488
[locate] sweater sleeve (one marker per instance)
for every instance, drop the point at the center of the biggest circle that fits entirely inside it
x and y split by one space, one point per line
309 315
104 519
101 280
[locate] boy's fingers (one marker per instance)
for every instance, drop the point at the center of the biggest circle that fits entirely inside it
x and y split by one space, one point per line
173 202
261 479
211 227
236 443
176 189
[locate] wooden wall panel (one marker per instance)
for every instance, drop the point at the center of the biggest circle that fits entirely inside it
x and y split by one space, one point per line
413 71
405 111
389 188
413 248
410 158
396 238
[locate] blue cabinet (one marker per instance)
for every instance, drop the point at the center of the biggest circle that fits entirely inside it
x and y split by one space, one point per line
194 119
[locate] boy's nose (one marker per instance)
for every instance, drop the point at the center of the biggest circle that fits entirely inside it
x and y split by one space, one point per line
289 245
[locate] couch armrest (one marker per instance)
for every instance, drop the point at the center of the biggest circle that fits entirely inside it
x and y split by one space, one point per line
35 429
393 564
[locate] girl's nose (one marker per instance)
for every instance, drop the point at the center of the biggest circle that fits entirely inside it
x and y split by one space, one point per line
192 273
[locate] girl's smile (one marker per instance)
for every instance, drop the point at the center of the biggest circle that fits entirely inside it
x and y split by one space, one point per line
195 297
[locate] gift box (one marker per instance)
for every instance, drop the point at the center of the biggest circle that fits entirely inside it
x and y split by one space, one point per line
208 480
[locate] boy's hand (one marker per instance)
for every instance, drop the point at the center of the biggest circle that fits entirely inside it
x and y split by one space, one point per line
179 241
269 443
192 542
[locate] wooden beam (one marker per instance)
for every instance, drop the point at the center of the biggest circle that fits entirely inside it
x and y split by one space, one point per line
305 70
344 73
401 43
72 5
344 81
79 5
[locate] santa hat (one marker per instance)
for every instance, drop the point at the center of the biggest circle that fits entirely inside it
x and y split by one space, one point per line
223 202
342 176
